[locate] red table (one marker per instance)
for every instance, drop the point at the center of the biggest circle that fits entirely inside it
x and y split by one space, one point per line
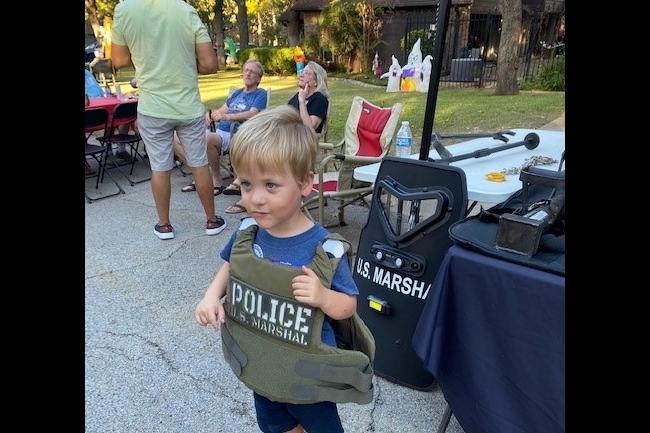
110 103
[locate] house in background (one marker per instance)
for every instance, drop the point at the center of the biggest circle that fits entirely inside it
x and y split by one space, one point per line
471 22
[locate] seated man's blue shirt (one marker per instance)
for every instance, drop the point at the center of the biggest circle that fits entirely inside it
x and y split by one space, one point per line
241 101
297 251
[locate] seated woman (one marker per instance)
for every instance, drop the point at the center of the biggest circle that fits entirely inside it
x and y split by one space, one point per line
312 98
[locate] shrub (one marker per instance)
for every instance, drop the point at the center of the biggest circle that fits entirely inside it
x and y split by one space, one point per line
551 77
278 61
427 39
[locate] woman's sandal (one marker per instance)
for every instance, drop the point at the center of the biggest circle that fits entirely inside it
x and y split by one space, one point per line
235 208
232 190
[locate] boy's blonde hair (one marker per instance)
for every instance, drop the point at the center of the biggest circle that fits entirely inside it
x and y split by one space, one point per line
273 139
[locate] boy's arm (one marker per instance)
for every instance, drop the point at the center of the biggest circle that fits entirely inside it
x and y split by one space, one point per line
308 289
210 311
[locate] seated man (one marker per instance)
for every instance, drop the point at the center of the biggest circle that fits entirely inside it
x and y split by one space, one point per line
241 105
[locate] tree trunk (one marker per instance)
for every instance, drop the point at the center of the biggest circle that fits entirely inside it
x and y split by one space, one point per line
218 34
507 61
260 43
91 9
242 22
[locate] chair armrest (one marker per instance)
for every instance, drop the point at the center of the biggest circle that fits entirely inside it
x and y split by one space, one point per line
330 146
361 160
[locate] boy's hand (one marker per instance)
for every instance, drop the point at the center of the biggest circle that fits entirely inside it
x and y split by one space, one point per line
308 288
210 311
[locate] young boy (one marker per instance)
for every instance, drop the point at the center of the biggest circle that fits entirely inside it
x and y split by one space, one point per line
280 249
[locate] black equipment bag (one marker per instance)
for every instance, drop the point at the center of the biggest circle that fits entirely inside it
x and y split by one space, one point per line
400 249
479 233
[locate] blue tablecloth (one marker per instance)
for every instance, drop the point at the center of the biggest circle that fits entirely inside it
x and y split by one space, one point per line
492 333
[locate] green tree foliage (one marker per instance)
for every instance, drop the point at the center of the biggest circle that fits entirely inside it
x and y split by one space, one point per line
427 40
351 25
551 78
266 29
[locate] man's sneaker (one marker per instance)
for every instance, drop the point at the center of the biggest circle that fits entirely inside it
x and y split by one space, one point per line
214 226
164 231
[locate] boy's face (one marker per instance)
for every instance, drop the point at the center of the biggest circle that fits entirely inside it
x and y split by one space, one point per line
274 198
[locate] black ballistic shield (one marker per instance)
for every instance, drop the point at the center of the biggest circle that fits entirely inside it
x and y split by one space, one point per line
400 249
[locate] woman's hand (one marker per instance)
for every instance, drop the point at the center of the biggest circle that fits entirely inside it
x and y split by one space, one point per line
302 93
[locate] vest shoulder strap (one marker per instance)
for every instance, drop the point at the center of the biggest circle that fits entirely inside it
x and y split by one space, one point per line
336 246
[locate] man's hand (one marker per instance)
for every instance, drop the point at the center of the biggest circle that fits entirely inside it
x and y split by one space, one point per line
308 289
210 312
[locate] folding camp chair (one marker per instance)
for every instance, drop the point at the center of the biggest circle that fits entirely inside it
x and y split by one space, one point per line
125 114
368 135
97 119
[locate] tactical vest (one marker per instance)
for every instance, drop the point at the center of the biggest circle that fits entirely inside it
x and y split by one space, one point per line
273 342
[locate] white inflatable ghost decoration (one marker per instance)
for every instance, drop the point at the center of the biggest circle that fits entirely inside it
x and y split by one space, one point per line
394 75
426 75
375 65
415 58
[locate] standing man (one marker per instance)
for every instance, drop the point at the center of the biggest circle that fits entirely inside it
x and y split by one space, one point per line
167 42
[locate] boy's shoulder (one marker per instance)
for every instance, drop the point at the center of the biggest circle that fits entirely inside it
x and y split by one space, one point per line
246 223
335 245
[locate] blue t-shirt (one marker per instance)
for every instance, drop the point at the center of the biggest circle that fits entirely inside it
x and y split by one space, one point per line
241 101
92 86
297 251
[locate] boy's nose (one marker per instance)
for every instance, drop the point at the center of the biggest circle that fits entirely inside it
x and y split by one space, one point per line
257 196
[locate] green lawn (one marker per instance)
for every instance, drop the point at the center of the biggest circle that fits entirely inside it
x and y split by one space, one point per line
457 109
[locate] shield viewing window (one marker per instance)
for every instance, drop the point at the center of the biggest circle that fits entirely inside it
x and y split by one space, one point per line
406 212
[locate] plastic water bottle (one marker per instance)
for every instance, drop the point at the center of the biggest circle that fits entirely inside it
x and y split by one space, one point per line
404 140
118 92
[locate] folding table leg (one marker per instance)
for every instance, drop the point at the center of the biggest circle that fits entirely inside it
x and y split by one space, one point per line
446 417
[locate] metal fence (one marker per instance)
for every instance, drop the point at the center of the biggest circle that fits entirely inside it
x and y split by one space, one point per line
472 44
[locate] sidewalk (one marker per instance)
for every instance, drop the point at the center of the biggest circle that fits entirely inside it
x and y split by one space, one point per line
149 367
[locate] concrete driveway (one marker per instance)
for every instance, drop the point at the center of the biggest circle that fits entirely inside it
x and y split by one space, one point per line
149 367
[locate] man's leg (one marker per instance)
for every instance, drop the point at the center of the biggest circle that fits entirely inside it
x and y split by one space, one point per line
204 189
214 157
179 151
161 190
193 136
157 135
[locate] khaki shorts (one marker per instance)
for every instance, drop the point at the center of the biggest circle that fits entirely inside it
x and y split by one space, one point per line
158 134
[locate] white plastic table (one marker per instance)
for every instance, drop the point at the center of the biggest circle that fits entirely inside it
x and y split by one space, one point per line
479 189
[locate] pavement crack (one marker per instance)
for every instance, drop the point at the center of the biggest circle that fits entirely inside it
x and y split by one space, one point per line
208 386
378 402
182 245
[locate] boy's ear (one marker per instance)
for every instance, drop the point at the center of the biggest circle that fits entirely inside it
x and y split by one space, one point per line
307 184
